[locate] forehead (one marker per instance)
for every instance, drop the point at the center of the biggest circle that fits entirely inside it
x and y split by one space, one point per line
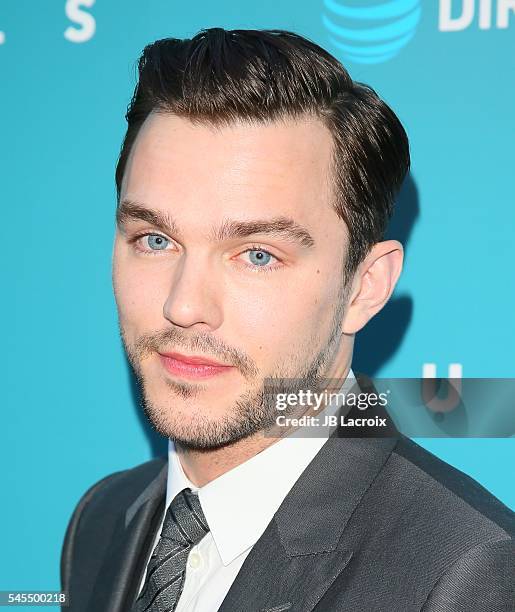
237 170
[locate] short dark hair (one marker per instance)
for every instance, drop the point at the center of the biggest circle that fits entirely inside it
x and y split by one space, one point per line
222 76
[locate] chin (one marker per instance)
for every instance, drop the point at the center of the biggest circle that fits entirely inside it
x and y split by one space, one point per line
195 429
203 438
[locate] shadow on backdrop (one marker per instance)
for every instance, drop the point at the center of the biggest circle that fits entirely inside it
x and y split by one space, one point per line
375 343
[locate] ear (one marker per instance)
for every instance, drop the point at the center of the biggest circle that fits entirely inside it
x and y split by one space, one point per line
373 284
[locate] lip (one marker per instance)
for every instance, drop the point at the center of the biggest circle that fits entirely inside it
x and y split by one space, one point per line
192 366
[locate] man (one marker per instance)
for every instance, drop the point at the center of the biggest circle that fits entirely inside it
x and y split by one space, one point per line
255 183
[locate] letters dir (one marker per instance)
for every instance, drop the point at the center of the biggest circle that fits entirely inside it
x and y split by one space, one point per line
453 16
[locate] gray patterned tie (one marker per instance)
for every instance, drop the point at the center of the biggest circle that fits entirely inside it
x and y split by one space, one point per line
183 527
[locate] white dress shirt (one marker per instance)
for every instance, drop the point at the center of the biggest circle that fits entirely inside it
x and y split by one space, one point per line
238 506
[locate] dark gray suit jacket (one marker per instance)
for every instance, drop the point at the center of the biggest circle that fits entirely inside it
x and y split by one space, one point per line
372 525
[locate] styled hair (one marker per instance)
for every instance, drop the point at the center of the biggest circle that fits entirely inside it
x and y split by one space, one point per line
224 76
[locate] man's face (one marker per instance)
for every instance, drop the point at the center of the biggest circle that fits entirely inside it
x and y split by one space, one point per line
227 249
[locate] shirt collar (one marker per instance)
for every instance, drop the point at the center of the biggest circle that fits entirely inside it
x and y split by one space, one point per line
239 504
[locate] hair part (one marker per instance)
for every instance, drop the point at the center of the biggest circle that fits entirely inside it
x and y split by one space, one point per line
221 77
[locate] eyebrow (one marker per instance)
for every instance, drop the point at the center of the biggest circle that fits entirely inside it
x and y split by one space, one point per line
282 227
129 210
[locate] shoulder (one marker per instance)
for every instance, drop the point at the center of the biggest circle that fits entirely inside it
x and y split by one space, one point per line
463 532
121 488
118 490
99 508
455 537
454 496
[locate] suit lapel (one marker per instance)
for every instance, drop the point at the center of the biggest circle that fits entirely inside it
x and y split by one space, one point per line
271 580
305 548
118 580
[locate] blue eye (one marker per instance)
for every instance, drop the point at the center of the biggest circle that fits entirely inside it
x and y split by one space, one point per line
259 257
156 242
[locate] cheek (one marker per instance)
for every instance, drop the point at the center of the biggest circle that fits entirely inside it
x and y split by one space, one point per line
274 320
139 302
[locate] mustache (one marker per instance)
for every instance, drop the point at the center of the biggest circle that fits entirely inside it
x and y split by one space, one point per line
174 338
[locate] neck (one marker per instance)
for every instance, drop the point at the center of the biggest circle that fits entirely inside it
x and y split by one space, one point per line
201 467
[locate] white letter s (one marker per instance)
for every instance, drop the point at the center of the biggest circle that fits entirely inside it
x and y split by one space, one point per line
86 20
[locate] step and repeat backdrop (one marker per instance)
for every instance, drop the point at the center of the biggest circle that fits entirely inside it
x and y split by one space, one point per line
67 70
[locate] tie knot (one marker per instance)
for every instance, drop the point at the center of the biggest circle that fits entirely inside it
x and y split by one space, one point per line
185 521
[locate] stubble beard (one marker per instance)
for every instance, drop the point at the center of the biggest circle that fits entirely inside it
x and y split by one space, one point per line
254 410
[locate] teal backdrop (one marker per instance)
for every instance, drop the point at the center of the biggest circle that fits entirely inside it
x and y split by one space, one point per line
67 70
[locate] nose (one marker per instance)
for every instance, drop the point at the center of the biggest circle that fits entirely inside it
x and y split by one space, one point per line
194 298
